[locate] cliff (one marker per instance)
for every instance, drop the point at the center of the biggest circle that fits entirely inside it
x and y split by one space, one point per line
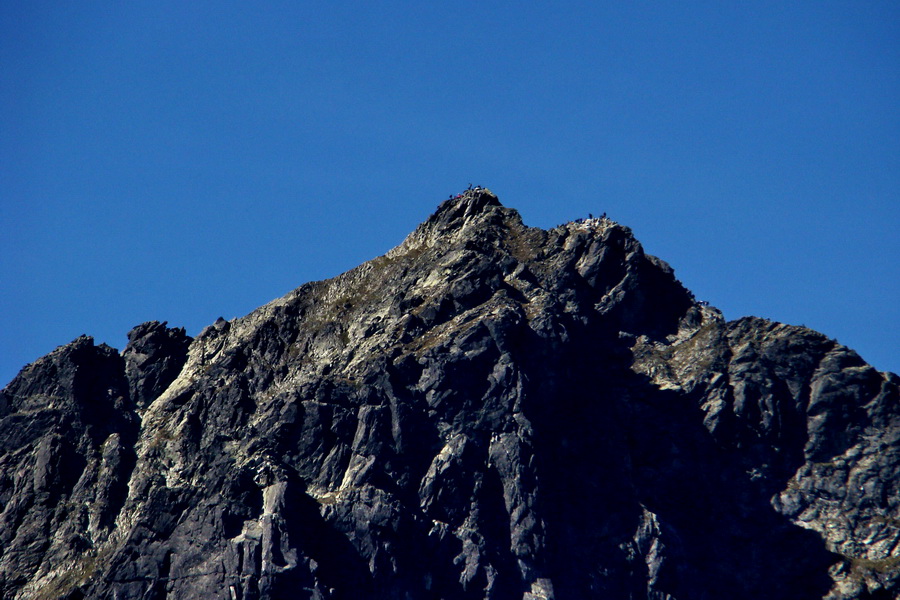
487 411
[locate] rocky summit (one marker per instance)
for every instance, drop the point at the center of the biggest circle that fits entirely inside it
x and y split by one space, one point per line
488 411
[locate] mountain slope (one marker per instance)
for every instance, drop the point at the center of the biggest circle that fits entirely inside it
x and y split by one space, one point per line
487 411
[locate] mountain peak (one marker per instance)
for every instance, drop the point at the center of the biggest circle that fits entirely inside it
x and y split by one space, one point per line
489 410
466 204
455 213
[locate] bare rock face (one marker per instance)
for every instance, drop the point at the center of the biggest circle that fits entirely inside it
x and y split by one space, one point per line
153 358
488 411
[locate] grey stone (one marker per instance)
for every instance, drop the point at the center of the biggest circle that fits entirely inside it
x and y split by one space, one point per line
488 411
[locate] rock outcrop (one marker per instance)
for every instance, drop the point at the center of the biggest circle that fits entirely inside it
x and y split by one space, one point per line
487 411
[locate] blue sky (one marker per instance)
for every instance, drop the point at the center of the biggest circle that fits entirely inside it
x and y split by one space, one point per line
182 161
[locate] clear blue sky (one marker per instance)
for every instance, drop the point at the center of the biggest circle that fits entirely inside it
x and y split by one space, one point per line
180 161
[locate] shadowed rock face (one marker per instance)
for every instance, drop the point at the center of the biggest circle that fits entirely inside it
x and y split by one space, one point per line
487 411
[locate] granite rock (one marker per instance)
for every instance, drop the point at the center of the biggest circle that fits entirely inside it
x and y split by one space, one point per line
488 411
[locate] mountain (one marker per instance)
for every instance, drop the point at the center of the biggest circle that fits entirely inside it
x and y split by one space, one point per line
488 410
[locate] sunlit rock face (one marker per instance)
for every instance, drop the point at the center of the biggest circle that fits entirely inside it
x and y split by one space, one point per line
487 411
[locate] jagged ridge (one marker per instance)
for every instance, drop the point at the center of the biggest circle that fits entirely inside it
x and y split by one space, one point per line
487 411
